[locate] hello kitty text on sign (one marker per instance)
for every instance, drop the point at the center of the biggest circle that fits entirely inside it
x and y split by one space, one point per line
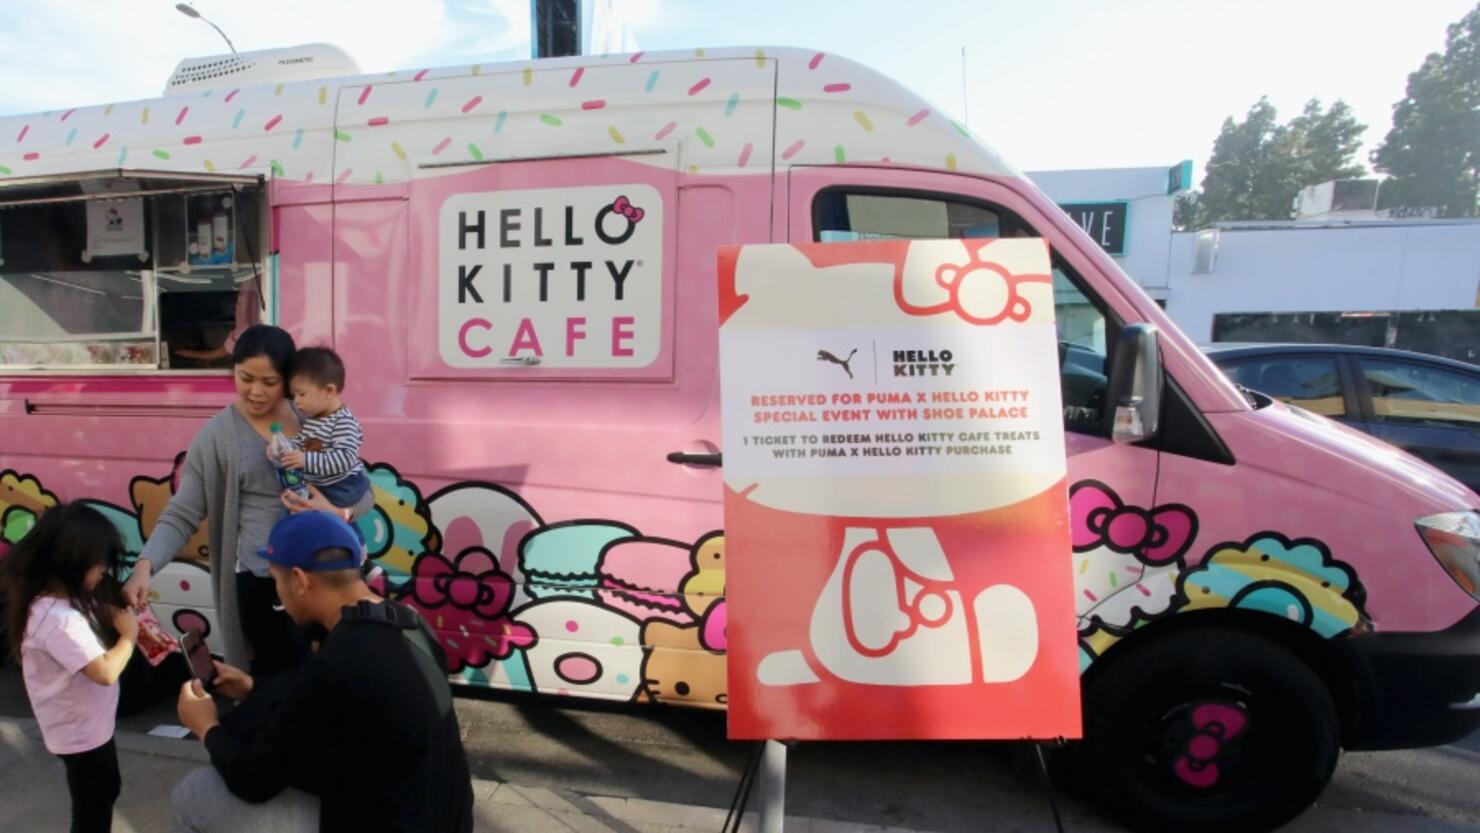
895 492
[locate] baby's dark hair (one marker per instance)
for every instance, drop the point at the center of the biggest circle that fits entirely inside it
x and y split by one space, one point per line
67 541
319 365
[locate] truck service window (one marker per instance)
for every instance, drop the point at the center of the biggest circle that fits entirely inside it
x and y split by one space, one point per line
128 272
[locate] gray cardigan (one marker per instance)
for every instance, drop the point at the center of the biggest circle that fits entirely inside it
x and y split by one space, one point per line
209 489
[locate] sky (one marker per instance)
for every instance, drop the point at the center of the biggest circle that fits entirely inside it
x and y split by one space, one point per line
1051 84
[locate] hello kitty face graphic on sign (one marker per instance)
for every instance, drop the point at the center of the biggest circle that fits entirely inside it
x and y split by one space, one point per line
981 291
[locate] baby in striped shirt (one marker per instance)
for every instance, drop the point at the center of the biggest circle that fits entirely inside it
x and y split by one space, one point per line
330 437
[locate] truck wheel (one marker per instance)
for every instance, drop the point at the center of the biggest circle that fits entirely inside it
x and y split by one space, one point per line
1209 730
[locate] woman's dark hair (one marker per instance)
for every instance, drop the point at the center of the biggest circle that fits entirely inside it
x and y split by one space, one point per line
55 556
265 340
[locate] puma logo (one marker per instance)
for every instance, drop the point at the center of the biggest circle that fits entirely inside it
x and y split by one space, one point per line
824 356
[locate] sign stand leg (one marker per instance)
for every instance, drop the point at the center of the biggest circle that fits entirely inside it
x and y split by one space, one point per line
773 787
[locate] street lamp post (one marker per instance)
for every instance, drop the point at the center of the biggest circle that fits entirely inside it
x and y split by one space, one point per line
190 11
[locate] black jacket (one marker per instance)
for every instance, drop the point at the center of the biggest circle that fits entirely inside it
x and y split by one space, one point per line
367 725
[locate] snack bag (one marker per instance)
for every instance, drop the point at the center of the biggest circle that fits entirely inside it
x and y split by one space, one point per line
154 641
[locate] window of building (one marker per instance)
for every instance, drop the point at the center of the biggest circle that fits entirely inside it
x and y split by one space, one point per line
1412 393
129 271
1309 382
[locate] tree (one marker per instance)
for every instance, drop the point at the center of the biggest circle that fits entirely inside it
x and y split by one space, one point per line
1258 165
1432 153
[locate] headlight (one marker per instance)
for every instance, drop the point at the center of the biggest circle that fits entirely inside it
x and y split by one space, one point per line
1454 539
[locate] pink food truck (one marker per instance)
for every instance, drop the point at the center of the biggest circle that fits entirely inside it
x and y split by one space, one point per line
517 262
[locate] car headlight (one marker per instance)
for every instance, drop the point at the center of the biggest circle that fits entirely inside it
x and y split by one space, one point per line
1454 539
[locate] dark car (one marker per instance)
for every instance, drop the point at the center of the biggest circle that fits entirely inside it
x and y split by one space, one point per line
1426 405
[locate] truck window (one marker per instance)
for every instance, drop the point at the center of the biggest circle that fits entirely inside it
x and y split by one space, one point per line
128 273
842 215
1309 382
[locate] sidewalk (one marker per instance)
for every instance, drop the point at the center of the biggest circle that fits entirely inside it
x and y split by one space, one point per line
33 795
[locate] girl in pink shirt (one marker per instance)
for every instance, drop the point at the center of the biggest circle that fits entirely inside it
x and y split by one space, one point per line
58 626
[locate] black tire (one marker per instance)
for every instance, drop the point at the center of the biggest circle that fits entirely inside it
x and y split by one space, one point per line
1208 730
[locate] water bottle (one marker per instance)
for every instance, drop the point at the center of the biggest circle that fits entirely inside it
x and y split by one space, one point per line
291 479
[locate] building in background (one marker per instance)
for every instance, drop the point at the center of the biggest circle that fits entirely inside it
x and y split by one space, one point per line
1342 273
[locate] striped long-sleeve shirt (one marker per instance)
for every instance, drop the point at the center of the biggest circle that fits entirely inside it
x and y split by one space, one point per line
331 447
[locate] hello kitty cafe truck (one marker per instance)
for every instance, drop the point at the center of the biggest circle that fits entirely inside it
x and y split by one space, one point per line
518 263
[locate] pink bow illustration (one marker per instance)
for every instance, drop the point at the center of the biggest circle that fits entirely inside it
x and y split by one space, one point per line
1215 725
624 207
1156 538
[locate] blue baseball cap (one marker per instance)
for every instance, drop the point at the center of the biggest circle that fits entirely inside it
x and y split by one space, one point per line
296 539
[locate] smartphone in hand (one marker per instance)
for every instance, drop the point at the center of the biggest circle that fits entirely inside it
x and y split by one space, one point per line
201 667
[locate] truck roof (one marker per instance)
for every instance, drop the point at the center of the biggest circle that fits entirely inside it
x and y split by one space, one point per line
722 111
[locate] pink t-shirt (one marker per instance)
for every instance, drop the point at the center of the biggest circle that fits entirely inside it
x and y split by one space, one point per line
75 713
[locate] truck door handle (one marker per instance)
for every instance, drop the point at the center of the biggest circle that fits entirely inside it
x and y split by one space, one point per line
522 361
685 458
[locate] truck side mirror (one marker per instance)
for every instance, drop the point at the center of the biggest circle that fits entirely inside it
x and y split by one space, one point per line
1135 384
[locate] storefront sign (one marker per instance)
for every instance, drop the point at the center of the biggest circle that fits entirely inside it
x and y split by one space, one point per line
895 508
1104 222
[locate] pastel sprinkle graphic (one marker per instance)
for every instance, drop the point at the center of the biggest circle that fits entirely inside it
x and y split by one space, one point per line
365 93
699 53
236 122
651 82
667 128
192 140
745 155
22 136
122 155
272 122
108 111
1114 582
475 152
102 140
839 155
231 95
68 114
917 118
760 59
278 90
816 61
472 103
308 177
71 136
836 88
431 98
950 161
553 121
732 104
379 121
636 56
528 76
960 128
575 77
4 170
1083 565
181 118
1092 597
162 154
323 96
441 146
794 149
297 138
144 116
699 87
379 178
209 166
420 75
340 180
788 103
594 104
1143 591
704 137
498 126
248 162
616 135
399 151
341 136
863 120
277 169
33 156
693 169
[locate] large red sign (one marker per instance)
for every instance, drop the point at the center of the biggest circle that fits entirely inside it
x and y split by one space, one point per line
895 508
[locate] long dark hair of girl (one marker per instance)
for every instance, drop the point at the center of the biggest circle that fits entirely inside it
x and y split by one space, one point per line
55 557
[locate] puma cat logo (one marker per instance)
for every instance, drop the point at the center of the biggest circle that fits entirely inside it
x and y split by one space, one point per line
824 356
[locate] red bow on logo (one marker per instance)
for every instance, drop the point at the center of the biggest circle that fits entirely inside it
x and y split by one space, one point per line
1156 537
1215 726
624 207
